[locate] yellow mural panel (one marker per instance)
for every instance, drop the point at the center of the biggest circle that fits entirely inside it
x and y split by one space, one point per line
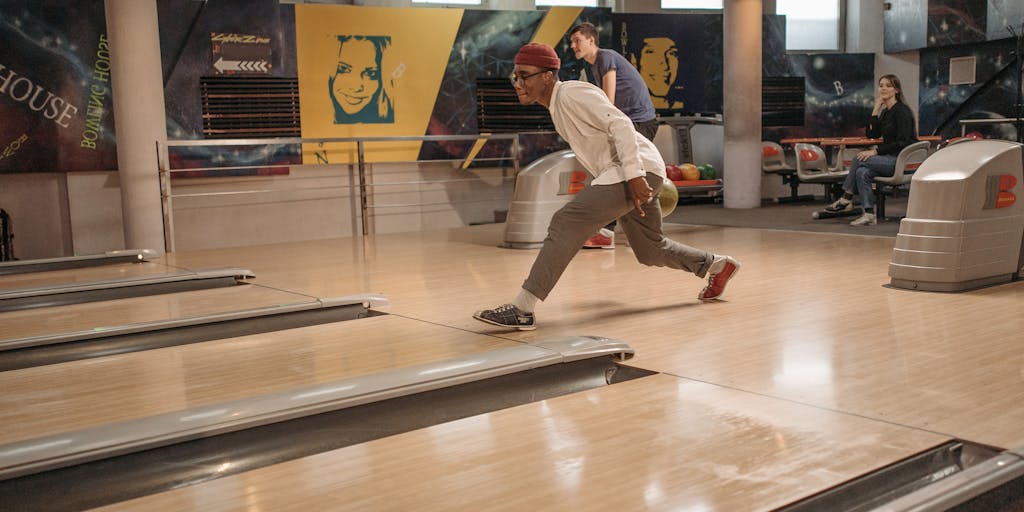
370 72
557 23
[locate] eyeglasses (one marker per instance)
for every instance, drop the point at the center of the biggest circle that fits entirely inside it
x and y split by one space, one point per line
521 79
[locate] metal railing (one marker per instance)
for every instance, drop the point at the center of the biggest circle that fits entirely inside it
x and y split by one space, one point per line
364 185
965 122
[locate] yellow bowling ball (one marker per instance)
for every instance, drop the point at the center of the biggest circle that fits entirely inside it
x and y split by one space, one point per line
668 197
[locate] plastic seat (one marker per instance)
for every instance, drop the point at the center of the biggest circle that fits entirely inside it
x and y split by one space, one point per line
774 161
907 161
812 167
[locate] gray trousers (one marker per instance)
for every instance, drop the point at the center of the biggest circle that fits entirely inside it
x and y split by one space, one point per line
592 208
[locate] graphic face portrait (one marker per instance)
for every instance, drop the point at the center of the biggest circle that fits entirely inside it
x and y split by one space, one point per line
358 91
659 65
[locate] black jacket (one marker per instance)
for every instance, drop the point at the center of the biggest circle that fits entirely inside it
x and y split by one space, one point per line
895 126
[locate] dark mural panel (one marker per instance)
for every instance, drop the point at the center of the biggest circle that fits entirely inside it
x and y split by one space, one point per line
956 22
186 50
573 68
990 97
55 88
906 25
840 92
485 45
190 32
670 52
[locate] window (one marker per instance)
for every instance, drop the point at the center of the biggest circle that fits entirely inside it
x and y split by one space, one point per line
811 24
573 3
450 2
691 4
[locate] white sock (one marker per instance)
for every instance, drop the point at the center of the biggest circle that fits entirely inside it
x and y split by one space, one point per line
525 301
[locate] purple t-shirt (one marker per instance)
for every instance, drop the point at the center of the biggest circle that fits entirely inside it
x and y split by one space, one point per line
631 94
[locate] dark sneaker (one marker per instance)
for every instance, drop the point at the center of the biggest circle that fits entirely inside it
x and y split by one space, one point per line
841 205
721 271
507 315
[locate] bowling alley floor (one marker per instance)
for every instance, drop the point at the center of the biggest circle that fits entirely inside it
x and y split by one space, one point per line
787 216
810 374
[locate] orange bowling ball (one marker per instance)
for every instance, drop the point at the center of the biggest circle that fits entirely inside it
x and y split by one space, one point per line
690 172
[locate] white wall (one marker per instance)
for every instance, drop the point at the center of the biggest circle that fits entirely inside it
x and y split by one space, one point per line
39 210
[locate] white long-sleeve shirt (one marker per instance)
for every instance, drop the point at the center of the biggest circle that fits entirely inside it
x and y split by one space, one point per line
602 137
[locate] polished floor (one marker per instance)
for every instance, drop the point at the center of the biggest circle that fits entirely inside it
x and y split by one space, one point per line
812 372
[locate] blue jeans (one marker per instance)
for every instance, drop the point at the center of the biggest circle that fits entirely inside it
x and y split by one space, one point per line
862 176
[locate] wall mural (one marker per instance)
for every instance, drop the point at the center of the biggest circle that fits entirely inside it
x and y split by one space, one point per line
916 24
366 71
990 97
840 93
484 46
193 43
956 22
369 72
669 52
55 88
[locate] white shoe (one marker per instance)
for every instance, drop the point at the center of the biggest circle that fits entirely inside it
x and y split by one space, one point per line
840 205
868 219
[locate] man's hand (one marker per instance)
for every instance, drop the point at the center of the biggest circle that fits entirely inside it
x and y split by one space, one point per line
642 194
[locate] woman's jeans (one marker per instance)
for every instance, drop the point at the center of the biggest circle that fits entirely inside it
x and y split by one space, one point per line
862 176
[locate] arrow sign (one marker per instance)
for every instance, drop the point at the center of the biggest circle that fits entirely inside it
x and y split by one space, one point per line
245 66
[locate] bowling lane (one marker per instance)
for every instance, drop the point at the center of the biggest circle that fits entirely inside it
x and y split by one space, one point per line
83 275
63 397
808 318
655 443
99 316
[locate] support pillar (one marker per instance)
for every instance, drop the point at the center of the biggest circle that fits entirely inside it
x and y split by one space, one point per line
139 116
742 103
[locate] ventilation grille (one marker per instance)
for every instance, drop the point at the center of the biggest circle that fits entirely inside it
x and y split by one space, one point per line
250 107
782 101
961 70
498 109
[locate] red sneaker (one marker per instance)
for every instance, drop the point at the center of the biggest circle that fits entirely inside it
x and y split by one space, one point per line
723 268
604 239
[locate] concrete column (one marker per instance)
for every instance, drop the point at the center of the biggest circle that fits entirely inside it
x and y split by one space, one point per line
139 117
742 97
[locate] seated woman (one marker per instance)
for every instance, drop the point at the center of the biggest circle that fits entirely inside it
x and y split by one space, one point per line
893 121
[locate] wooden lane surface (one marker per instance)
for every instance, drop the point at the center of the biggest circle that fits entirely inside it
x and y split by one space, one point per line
91 316
655 443
80 275
63 397
808 317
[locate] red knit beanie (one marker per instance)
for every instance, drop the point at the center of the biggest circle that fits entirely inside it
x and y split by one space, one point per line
538 54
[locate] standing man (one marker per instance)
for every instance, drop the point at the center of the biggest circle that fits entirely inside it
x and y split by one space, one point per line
625 88
628 172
